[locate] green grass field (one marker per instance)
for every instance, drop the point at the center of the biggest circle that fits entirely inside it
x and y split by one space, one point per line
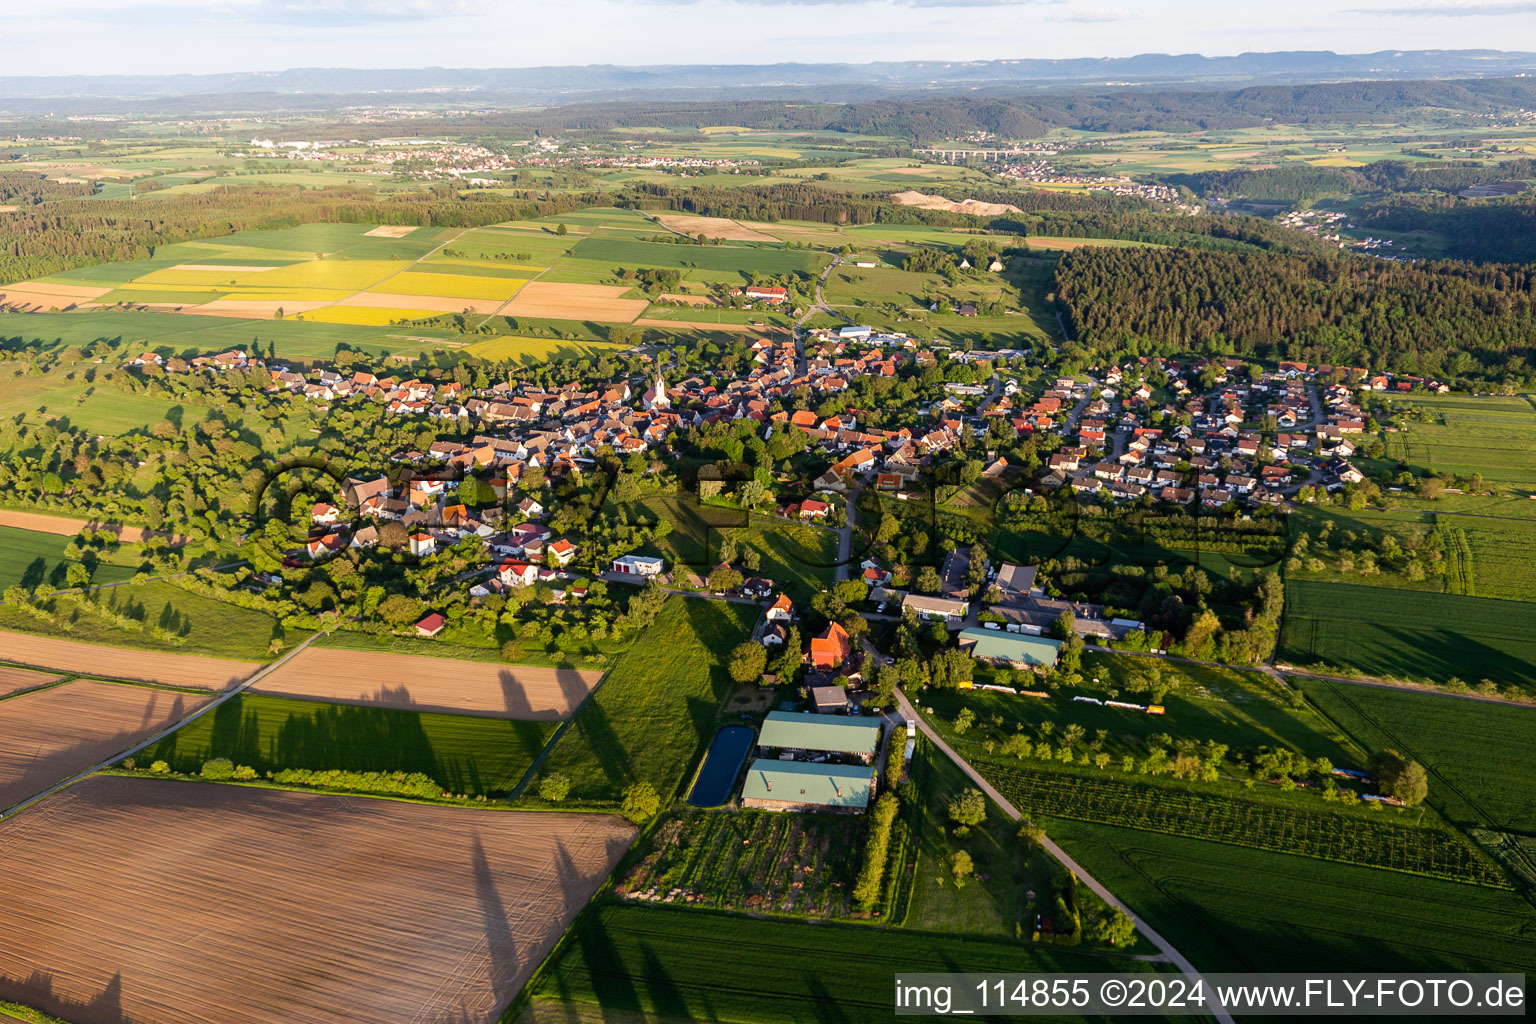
1494 436
701 965
652 715
29 558
1409 634
462 753
1478 753
1229 908
176 334
802 559
186 623
746 260
1244 710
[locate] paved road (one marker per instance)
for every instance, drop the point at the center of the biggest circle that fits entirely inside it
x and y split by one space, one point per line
1169 954
227 695
845 536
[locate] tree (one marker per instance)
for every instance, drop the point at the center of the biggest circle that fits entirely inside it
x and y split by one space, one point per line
723 578
1065 626
1412 784
560 229
512 651
968 808
961 866
747 662
963 721
1117 929
399 610
928 581
77 575
641 803
555 787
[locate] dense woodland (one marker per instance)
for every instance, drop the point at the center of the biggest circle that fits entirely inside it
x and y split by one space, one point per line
1474 229
1441 318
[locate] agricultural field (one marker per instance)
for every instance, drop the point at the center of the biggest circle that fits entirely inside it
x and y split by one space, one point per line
122 663
1232 908
467 754
802 559
172 334
50 734
486 895
651 717
422 683
1491 436
1409 635
157 616
758 861
14 680
650 960
1204 703
28 558
1356 836
1478 753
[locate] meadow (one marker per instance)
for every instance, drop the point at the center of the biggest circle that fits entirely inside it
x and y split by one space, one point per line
1493 436
1357 836
466 754
650 960
158 616
1408 634
743 259
28 558
1478 753
1205 703
1232 908
652 715
801 559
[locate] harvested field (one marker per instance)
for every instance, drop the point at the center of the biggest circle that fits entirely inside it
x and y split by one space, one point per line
122 662
551 301
972 206
14 680
389 231
71 291
63 526
9 209
392 300
702 325
471 901
430 684
689 300
46 737
713 227
245 309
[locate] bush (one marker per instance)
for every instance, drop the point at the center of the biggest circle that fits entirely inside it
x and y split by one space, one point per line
641 803
245 772
555 787
394 783
876 852
160 768
218 769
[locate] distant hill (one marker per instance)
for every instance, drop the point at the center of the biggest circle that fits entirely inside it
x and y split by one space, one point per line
549 85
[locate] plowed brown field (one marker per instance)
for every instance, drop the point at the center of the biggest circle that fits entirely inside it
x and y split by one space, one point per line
556 301
64 526
123 662
713 227
430 684
204 902
46 737
14 680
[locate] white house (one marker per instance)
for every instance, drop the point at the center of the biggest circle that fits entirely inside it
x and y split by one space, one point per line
638 565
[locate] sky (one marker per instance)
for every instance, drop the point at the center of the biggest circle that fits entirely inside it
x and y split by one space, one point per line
206 36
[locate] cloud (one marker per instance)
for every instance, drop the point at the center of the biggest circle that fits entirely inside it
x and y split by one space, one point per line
1093 15
360 12
1451 9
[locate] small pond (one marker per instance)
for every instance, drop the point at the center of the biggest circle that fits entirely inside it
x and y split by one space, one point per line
721 766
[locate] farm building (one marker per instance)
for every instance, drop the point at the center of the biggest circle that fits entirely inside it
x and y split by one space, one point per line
1010 648
804 734
638 565
431 625
936 607
828 700
801 786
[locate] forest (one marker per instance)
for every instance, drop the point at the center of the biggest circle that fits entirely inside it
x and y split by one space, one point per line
1435 318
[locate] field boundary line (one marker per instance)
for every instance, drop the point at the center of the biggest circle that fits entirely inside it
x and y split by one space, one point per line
222 698
1051 847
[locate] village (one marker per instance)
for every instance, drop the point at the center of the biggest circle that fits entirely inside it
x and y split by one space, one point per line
1218 436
